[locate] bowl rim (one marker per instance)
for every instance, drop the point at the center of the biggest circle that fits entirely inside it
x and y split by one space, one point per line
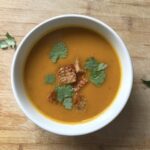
66 132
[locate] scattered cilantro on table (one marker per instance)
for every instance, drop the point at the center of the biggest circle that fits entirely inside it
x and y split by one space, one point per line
97 71
59 50
146 82
9 41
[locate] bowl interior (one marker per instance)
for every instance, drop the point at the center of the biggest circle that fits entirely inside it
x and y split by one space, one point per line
23 50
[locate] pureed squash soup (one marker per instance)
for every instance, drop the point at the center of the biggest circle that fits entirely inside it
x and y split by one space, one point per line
72 75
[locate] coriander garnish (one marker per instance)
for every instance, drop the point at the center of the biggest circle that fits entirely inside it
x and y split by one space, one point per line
59 50
146 82
97 71
50 79
9 41
64 95
97 77
68 104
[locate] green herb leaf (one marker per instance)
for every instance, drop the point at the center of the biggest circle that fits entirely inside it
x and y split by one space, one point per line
3 44
147 83
64 91
101 66
8 42
59 50
97 71
50 79
91 63
97 78
68 104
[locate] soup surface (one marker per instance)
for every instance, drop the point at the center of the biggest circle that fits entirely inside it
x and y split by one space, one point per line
82 44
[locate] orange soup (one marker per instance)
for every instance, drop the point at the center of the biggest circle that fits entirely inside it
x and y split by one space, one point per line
72 75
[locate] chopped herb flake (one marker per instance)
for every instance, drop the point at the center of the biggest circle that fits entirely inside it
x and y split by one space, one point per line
3 44
59 50
97 71
64 91
8 42
50 79
97 78
68 104
91 63
101 66
146 82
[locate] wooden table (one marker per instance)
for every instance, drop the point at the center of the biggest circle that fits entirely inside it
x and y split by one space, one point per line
131 130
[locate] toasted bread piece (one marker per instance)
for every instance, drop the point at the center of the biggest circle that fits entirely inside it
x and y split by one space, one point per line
66 74
81 82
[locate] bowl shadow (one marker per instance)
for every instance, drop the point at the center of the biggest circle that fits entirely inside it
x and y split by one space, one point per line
117 133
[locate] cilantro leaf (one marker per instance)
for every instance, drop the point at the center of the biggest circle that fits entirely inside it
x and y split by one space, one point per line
97 78
96 69
64 91
3 44
50 79
91 63
147 83
59 50
68 104
8 42
101 66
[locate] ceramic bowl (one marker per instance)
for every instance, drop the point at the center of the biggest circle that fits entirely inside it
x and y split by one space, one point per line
18 65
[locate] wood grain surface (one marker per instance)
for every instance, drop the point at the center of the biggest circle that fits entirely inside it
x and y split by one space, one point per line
131 130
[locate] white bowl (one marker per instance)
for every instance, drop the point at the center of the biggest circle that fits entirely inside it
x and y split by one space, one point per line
20 57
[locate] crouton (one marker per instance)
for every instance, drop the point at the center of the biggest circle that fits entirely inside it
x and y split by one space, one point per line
66 74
